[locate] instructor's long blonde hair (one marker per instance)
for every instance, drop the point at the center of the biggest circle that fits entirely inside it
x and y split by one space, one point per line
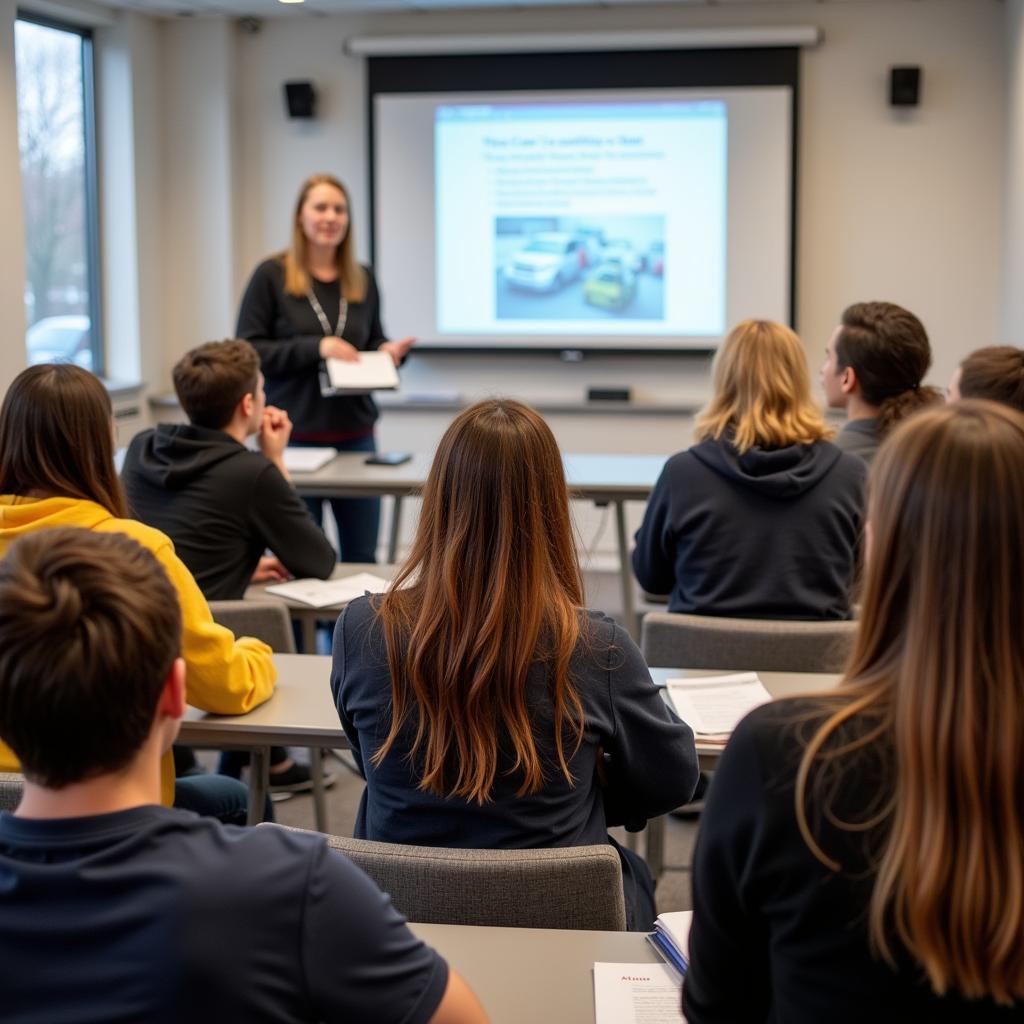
936 680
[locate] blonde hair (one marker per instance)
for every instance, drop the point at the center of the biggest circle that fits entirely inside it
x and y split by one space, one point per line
762 391
936 686
351 275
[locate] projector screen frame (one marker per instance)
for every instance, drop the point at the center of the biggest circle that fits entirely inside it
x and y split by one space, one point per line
580 71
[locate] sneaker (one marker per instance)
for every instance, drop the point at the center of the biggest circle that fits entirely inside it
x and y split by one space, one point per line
297 778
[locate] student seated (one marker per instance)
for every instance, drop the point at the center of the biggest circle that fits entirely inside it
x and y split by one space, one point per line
115 908
861 856
874 364
486 707
996 373
761 517
220 503
57 469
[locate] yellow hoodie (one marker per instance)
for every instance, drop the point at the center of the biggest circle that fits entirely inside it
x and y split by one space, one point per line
223 675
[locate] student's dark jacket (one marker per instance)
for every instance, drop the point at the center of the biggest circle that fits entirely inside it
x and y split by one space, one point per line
771 533
222 505
286 333
777 937
648 758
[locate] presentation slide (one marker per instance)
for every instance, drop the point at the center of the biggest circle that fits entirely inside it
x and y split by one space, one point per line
638 219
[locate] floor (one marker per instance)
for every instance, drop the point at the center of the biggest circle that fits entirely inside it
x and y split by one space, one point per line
673 890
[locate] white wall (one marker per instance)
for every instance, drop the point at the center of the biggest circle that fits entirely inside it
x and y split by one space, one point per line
12 242
1013 219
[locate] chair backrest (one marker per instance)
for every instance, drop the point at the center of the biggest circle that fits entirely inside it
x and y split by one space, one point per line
673 640
568 887
267 620
11 787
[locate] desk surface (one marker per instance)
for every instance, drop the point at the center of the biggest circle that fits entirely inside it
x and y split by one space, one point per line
301 712
533 974
594 477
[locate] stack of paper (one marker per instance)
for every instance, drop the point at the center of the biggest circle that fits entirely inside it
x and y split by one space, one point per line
329 593
636 994
712 706
671 938
374 371
307 460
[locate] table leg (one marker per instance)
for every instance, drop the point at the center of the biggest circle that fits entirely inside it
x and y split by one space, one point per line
396 525
625 572
309 634
654 853
259 772
316 771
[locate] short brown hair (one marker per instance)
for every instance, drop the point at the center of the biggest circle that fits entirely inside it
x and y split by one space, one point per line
997 373
212 379
56 437
89 629
887 347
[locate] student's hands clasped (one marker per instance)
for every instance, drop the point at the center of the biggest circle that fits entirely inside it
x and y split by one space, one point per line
275 430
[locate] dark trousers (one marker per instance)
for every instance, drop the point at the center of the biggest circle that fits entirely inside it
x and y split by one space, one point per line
358 519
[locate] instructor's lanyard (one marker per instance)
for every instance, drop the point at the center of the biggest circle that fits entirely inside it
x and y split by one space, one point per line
322 316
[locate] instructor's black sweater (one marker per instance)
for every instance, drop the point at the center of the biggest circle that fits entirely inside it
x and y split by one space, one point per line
286 333
777 937
771 533
222 505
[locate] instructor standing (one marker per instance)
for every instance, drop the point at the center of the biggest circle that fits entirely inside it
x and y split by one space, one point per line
309 303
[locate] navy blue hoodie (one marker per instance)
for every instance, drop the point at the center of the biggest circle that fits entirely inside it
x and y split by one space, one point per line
770 534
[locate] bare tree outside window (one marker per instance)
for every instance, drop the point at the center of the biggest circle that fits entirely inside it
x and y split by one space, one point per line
52 143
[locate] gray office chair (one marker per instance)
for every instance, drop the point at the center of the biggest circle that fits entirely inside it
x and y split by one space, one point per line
268 620
673 640
568 887
11 787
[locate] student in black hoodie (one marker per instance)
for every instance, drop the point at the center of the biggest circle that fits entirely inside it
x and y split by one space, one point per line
222 504
761 517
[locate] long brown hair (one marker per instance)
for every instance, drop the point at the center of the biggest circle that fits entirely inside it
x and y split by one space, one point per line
887 347
937 675
491 587
762 390
56 437
996 372
295 258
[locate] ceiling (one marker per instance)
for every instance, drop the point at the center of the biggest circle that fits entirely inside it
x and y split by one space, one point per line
276 9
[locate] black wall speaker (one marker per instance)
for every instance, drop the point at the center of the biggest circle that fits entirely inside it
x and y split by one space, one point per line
904 87
300 98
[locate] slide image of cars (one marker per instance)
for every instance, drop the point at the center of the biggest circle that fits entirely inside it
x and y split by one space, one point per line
548 261
618 250
612 286
60 339
656 259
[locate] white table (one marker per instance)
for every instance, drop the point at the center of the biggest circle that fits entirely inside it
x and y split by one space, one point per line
602 479
300 713
527 975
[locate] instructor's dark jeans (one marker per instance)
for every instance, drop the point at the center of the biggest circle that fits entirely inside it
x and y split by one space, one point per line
358 519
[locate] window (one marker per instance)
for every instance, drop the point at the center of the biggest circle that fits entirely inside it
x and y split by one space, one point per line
56 143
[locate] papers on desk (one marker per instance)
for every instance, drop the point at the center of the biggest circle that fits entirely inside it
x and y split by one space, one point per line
712 706
636 994
374 371
307 460
671 939
326 593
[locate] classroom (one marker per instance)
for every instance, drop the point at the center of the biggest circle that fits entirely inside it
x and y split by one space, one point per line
867 152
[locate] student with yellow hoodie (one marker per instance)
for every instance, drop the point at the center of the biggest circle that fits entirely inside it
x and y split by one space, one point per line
57 469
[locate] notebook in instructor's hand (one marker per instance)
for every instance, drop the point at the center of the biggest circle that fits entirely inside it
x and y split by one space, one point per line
374 371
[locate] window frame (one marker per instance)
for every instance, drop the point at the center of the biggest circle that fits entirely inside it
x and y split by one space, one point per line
94 275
